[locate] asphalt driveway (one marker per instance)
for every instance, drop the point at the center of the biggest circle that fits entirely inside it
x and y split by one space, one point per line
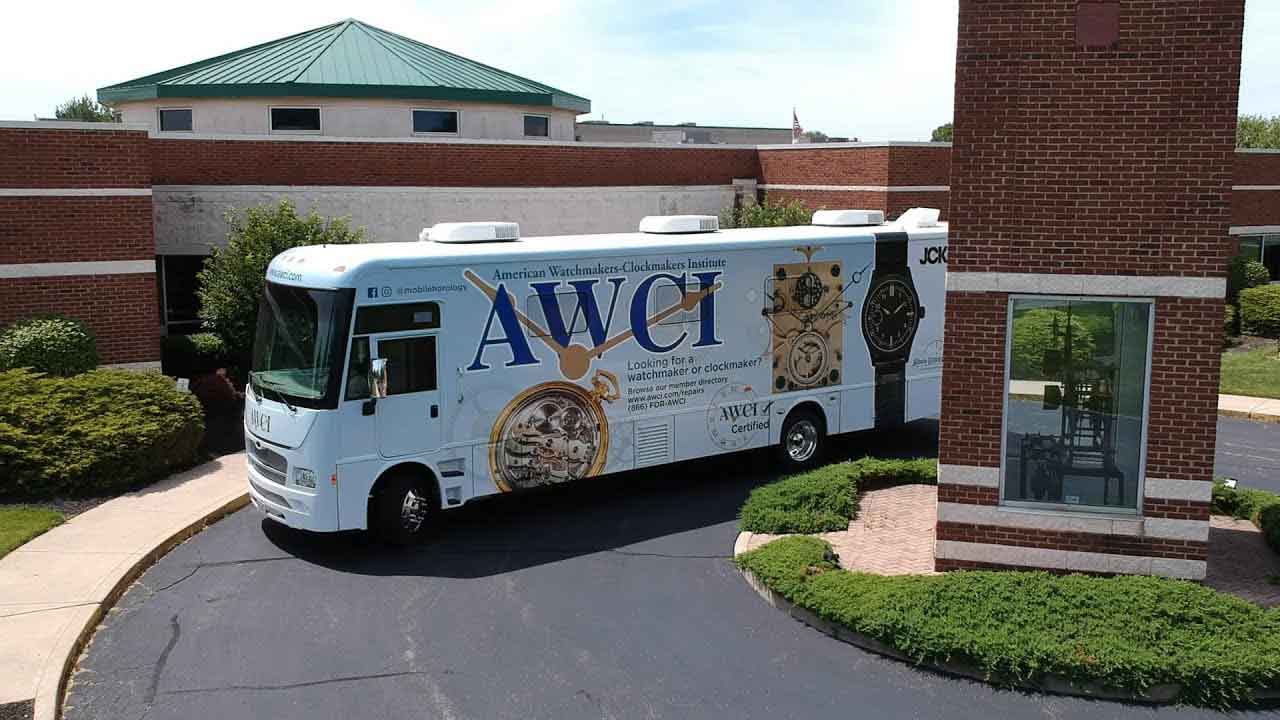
613 599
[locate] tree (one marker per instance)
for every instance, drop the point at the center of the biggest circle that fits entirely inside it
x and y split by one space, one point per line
86 109
1256 131
815 136
232 279
942 133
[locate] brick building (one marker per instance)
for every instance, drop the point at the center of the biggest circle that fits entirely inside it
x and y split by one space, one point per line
1092 192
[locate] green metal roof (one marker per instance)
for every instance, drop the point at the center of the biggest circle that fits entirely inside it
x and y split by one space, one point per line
345 59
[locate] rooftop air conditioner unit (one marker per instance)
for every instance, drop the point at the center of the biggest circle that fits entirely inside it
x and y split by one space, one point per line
471 232
848 218
675 224
920 217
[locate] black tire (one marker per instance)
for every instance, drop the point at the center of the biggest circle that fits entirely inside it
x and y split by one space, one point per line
394 521
803 440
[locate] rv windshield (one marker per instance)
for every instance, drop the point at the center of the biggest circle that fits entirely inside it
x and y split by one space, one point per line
300 344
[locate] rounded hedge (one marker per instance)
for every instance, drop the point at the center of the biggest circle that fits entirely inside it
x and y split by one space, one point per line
50 344
1260 311
1245 273
91 434
826 499
1019 628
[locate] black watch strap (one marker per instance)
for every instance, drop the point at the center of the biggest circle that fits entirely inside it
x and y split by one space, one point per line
891 394
891 252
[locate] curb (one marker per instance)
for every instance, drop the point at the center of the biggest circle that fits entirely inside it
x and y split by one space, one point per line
1250 415
1052 684
52 686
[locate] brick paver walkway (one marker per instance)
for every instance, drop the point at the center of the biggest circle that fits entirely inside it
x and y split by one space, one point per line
892 535
1240 562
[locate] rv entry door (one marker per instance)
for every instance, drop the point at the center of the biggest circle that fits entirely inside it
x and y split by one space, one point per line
410 416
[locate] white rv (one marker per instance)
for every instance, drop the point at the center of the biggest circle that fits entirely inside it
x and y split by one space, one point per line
392 381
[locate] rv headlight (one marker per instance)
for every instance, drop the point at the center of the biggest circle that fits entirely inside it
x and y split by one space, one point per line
303 477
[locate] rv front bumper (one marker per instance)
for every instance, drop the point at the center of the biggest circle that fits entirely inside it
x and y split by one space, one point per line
284 504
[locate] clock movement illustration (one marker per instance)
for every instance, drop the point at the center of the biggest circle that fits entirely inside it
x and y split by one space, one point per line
806 307
551 433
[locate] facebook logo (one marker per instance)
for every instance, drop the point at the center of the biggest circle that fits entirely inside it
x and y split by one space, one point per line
372 293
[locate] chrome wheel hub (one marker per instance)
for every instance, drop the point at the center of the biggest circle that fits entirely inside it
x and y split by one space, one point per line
413 511
802 441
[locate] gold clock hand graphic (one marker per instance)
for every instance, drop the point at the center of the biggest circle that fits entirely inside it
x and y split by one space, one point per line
492 293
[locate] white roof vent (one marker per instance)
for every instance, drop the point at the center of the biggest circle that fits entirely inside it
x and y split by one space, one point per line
672 224
919 217
471 232
847 218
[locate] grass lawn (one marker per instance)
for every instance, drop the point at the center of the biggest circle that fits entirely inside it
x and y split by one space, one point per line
20 523
1253 372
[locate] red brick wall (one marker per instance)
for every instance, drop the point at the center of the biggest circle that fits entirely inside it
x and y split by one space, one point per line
1182 421
56 158
73 229
122 310
1256 207
826 166
1074 541
248 162
1257 168
1104 160
973 379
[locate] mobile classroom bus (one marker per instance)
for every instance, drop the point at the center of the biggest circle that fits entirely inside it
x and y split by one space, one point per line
392 381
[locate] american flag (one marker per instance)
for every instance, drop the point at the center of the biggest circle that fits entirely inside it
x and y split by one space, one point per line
797 132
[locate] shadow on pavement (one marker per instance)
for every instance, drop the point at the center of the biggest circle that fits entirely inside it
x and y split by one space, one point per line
629 513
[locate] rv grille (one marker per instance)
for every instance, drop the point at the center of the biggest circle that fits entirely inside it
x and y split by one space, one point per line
653 444
708 224
270 463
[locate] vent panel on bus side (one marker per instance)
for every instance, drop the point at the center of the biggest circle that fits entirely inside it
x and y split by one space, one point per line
653 443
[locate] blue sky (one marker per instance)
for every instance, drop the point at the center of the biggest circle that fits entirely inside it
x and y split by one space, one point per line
876 69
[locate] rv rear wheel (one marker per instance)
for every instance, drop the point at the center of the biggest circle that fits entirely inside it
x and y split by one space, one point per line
402 510
803 440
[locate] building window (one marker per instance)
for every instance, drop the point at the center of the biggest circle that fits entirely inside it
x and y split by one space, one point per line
536 125
295 120
1075 402
175 119
1265 249
178 302
435 122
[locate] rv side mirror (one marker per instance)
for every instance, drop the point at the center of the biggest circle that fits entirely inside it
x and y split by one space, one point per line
378 378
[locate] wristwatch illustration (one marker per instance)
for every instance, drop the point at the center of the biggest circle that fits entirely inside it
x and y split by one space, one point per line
891 315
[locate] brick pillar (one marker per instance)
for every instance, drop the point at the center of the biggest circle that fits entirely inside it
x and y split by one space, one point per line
1092 158
76 233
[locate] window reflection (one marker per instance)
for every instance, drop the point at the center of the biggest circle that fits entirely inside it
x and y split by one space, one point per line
1076 396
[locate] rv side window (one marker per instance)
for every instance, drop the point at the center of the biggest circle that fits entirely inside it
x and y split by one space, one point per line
358 370
395 318
411 364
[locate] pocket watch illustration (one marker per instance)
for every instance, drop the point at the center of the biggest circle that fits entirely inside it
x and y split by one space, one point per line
551 433
806 308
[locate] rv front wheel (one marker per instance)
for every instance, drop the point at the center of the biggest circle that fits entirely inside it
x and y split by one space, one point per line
402 510
803 437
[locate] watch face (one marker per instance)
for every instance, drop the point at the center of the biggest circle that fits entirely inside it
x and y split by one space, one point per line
808 359
551 433
890 315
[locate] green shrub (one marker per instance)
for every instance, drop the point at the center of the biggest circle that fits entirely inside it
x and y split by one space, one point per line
1230 323
191 355
92 434
1260 311
826 499
48 344
1033 335
1241 502
232 279
1269 522
766 214
1244 273
1128 633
